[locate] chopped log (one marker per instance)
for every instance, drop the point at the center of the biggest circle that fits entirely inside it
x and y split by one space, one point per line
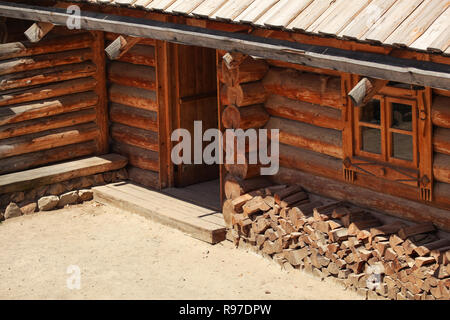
355 227
325 212
353 216
140 54
249 70
302 135
254 116
228 212
395 240
144 177
303 86
134 136
364 91
260 225
314 114
135 97
234 188
284 193
50 107
426 227
44 61
47 91
38 30
273 189
387 229
293 200
422 261
138 157
133 117
39 158
440 113
307 209
128 74
425 249
295 257
338 235
441 141
120 46
45 76
48 139
47 123
58 44
254 205
238 202
246 94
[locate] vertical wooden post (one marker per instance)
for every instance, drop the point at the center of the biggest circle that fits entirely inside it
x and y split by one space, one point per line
220 110
425 136
164 98
347 81
98 50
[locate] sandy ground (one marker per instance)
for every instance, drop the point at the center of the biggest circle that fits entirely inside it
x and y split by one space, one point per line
125 256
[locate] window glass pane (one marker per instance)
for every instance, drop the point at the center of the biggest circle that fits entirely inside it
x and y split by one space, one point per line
370 112
371 140
402 116
402 146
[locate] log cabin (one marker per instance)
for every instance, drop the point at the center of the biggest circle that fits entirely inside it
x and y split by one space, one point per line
359 91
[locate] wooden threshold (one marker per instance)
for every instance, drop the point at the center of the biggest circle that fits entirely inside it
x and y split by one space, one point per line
30 179
198 222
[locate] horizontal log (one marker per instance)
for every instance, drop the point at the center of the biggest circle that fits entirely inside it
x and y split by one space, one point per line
303 86
392 205
243 171
440 111
46 108
44 61
26 180
47 91
132 75
441 167
138 157
133 117
302 135
254 116
140 54
234 188
441 194
39 158
441 140
48 75
314 114
134 136
309 161
111 36
246 94
134 97
47 123
249 70
231 135
224 95
143 177
59 44
303 68
48 139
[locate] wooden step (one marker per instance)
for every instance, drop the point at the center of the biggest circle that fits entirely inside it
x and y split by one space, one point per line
198 222
30 179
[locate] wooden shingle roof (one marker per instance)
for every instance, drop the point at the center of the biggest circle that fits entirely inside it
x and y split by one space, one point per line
418 24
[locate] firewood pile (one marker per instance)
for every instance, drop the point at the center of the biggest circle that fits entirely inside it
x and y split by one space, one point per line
392 260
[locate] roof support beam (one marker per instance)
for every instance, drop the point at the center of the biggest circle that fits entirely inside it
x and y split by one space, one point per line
367 64
120 46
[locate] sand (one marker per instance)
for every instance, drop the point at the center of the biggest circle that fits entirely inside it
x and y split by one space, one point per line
124 256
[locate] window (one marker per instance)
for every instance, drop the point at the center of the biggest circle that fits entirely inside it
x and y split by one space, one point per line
386 130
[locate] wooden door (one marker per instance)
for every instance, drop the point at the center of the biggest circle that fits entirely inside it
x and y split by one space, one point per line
196 100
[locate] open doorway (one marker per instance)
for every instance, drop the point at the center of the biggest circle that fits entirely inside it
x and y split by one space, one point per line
195 99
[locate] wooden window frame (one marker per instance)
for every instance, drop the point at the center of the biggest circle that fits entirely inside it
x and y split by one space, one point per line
386 129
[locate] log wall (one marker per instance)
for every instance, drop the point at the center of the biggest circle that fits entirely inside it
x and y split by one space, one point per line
50 105
440 116
133 110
